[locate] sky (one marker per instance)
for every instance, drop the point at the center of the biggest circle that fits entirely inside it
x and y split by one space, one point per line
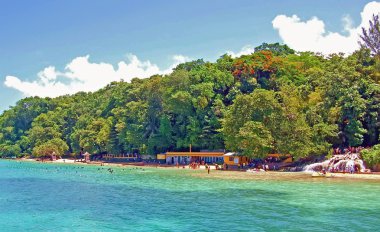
52 48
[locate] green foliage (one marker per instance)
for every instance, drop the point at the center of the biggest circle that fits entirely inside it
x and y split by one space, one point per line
275 48
273 100
56 145
8 150
254 140
323 136
260 106
371 156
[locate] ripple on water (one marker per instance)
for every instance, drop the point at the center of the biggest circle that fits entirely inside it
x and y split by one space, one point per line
40 197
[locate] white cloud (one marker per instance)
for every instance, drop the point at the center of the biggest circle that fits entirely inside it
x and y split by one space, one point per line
311 35
83 75
347 23
177 59
246 50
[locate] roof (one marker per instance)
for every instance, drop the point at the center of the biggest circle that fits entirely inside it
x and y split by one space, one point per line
229 154
198 154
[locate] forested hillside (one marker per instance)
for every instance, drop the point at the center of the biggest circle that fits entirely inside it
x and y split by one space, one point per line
274 100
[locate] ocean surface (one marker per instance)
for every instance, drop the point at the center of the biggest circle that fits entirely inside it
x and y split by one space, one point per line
59 197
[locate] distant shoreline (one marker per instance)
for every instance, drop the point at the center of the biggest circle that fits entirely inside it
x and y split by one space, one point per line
220 174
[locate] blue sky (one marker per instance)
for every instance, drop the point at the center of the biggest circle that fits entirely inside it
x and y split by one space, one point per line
39 34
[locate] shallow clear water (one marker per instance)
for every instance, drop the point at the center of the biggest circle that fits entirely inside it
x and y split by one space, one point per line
58 197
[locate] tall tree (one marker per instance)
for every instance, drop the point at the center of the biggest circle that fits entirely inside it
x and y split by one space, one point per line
371 36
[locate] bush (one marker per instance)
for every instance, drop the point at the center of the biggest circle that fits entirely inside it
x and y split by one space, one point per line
371 156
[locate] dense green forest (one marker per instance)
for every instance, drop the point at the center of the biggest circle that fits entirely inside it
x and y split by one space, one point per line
274 100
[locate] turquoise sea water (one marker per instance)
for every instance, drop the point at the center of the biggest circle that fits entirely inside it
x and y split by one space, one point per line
58 197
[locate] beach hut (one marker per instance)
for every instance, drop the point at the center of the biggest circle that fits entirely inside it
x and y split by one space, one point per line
86 157
189 157
53 156
161 158
234 159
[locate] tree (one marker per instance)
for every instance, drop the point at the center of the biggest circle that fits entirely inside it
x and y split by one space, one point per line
323 136
371 37
96 136
254 140
291 132
260 106
275 48
56 145
10 150
353 109
190 65
163 140
273 100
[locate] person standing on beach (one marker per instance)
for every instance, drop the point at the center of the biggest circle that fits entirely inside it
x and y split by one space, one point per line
208 170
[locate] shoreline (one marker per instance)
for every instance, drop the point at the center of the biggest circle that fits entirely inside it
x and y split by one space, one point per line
219 174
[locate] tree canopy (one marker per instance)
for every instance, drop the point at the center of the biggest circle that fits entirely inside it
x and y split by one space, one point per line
275 100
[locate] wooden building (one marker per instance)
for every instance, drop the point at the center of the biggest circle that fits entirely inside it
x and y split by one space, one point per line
230 158
121 157
189 157
233 159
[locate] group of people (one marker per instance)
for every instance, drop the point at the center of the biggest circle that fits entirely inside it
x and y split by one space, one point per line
260 165
348 169
349 149
194 165
197 165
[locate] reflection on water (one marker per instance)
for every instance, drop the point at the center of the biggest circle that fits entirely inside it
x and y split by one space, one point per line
69 197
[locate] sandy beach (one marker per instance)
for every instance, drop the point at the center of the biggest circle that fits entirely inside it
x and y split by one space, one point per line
283 176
